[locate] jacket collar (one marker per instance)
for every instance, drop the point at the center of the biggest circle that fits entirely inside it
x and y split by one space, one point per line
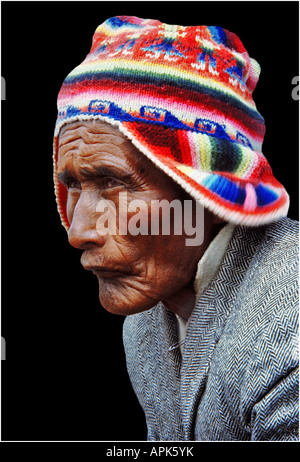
206 270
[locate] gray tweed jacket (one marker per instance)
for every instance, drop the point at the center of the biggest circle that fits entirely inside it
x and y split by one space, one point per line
238 376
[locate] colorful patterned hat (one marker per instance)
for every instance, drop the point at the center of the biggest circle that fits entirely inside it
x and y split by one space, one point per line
183 96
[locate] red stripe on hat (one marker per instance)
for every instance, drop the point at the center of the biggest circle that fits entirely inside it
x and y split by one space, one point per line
196 101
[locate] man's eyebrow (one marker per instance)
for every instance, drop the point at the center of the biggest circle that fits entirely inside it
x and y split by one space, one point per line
64 175
105 171
95 171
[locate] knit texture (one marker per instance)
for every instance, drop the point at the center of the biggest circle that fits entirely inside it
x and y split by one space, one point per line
237 379
183 96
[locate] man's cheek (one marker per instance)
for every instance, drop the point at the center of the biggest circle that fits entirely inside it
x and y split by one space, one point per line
70 209
131 250
72 200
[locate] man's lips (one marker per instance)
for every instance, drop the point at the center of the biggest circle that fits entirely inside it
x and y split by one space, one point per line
104 272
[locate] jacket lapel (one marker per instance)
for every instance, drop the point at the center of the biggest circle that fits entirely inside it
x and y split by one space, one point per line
165 377
208 320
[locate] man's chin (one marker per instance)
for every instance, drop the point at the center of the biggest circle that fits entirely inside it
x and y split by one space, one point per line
117 298
114 302
113 307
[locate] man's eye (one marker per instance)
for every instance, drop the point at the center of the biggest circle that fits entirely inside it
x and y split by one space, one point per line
72 183
110 183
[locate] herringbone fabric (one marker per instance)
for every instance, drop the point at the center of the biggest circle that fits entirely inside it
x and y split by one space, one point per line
238 376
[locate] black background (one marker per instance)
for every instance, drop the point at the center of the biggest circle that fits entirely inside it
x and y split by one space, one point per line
65 375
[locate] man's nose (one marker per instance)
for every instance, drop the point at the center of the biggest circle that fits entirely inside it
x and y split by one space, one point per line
83 233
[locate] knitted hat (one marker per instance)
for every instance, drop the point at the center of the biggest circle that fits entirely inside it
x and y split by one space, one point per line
183 96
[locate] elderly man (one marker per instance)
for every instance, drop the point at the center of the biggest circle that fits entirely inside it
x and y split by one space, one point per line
160 114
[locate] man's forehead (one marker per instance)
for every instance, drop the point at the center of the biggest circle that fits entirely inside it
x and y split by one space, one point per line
96 140
93 126
90 132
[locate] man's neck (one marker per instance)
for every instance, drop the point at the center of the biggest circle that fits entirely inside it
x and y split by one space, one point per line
183 301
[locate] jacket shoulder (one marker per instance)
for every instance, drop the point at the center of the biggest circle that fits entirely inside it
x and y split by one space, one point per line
256 358
284 232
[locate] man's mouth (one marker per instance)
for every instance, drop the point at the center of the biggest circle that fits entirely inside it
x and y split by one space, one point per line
104 272
108 273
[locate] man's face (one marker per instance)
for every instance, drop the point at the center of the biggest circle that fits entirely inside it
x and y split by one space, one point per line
97 162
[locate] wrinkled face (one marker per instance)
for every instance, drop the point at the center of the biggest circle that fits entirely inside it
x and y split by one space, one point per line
96 162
